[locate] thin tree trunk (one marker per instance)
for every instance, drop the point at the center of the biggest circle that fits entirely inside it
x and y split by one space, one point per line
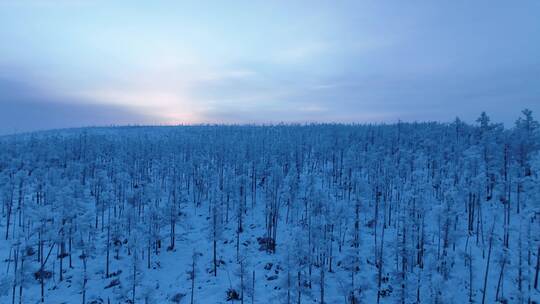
537 268
499 282
16 259
192 279
253 288
487 264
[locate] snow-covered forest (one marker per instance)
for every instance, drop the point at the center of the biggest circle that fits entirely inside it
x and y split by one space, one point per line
322 213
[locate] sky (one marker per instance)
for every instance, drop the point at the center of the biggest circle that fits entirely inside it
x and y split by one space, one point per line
88 63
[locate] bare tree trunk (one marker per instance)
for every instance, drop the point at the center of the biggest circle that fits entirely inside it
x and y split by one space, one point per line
470 276
322 284
16 259
215 241
299 288
499 282
253 288
8 218
85 278
537 268
192 279
108 249
380 264
22 280
69 244
487 264
242 282
288 286
134 276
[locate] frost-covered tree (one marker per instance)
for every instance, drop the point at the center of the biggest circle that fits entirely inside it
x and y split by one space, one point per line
345 213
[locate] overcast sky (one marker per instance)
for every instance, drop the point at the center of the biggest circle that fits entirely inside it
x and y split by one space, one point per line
81 63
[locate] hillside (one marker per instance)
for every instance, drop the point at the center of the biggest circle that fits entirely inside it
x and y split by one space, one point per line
400 213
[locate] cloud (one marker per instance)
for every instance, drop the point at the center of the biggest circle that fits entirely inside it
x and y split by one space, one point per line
301 53
171 93
25 108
